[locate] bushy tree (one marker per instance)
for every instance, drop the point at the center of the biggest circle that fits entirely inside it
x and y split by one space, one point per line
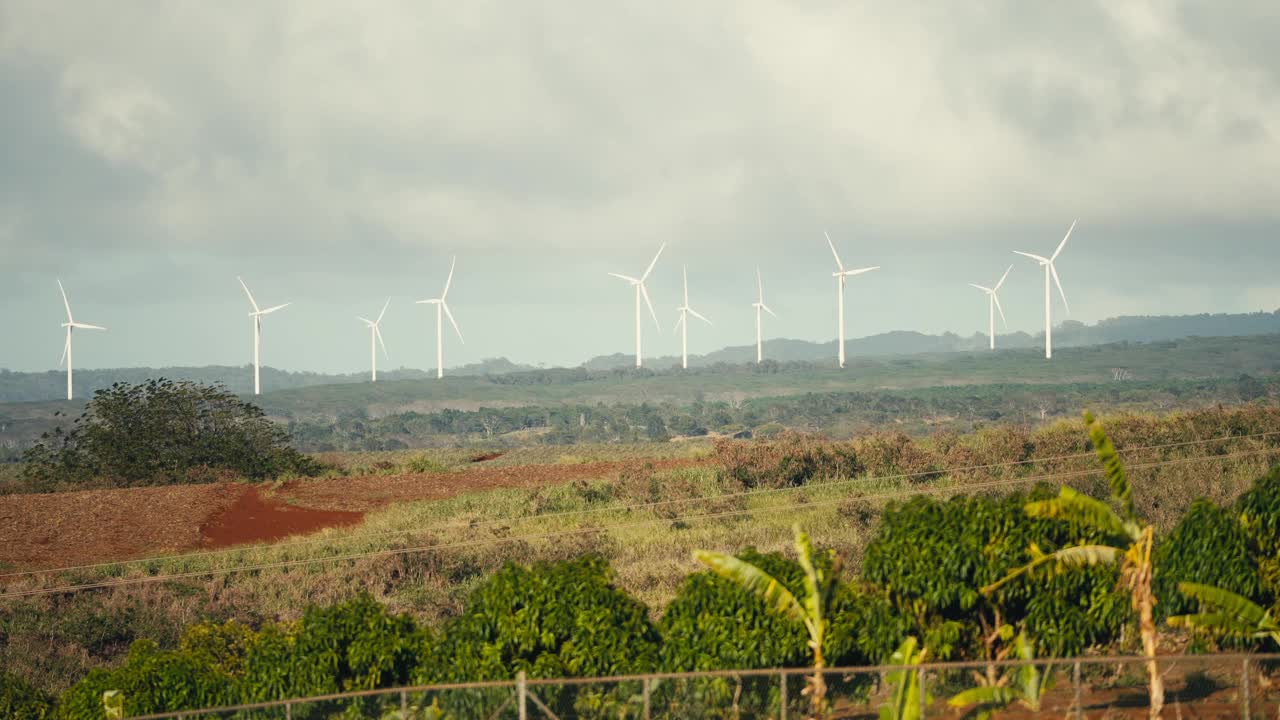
151 680
20 700
1209 546
160 432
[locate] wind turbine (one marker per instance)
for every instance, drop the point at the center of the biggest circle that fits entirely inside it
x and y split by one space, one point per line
993 304
642 292
841 274
70 325
375 333
257 335
683 322
760 306
1050 270
442 309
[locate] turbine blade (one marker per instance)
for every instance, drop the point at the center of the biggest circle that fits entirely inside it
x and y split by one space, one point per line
445 305
449 281
859 271
645 292
86 326
66 345
428 302
365 320
983 289
270 310
1041 260
684 271
1002 318
645 276
252 302
1063 244
65 302
760 284
696 314
679 321
766 309
628 278
378 333
384 311
1002 279
833 251
1054 271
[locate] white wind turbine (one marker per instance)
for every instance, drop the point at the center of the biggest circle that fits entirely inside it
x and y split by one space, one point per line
257 335
642 292
993 304
761 307
70 325
1050 270
682 323
375 333
442 309
841 274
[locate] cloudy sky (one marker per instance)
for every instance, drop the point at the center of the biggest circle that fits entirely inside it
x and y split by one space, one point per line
336 153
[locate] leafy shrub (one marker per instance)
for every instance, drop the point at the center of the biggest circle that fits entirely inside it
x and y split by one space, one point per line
714 624
932 556
161 432
152 681
1208 546
563 619
788 460
1259 510
20 700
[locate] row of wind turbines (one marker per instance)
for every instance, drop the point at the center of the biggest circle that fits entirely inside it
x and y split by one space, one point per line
684 311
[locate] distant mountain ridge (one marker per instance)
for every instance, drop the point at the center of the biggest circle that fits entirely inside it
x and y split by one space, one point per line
42 386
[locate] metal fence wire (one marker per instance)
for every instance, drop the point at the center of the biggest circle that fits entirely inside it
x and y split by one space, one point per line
1196 686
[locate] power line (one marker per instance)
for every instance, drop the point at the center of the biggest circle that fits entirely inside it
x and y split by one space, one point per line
618 508
970 487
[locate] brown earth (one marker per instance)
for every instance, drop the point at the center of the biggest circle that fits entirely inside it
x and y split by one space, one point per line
74 528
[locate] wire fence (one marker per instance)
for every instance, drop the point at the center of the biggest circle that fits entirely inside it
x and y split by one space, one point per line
1195 686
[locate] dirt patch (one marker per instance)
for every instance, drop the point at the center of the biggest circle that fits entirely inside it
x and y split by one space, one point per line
255 518
485 457
73 528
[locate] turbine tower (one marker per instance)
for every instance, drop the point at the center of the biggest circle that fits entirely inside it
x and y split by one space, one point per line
257 335
642 292
993 304
682 323
1050 270
760 306
70 325
442 309
375 333
842 275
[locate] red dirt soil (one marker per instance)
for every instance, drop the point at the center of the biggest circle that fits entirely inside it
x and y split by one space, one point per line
253 518
73 528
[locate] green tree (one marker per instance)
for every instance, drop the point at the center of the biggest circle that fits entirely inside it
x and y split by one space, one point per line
20 700
161 432
1131 547
812 608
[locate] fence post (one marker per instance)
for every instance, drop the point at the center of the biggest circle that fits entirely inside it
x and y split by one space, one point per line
521 694
920 689
288 711
648 682
782 696
1245 690
404 705
1078 700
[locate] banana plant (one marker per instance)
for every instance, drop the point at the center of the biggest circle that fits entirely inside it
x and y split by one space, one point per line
1024 684
820 583
905 702
1226 613
1131 543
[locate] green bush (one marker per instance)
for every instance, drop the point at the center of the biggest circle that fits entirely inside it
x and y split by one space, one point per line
932 556
161 432
152 681
20 700
713 624
1209 546
1259 510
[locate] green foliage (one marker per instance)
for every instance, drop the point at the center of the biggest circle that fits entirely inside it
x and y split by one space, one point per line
152 681
162 432
932 556
563 619
1024 684
1228 614
904 702
1259 510
1209 546
20 700
786 460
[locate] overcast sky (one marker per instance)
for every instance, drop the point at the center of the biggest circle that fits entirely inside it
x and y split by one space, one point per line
336 153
